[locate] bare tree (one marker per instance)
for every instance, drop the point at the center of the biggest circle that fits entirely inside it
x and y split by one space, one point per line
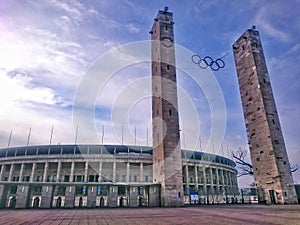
246 168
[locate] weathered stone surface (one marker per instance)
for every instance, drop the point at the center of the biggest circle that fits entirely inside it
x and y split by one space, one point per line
267 148
167 165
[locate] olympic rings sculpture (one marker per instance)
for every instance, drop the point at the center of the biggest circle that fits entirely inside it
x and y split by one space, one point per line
207 61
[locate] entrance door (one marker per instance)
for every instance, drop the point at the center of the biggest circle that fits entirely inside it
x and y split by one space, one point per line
36 202
101 202
58 202
272 196
12 203
121 201
80 202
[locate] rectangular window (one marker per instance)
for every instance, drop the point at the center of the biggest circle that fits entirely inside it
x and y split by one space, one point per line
67 178
168 67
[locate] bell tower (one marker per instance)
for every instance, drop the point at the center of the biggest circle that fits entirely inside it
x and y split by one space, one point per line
167 165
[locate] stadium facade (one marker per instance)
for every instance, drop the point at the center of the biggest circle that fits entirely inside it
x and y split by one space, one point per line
70 176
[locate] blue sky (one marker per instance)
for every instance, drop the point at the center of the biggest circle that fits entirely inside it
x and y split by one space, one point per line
47 47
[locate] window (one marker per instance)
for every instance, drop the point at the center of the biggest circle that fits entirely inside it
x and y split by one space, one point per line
67 178
121 190
168 67
170 112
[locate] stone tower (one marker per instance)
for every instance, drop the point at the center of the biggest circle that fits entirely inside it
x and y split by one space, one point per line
267 148
167 165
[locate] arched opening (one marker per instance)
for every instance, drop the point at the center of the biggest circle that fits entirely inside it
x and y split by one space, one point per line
12 203
58 202
80 202
36 202
140 201
121 202
101 202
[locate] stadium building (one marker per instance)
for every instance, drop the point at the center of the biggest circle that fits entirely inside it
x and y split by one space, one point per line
68 176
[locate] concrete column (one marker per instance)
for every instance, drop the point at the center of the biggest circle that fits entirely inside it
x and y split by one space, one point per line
196 177
1 171
222 179
227 183
133 197
69 196
204 181
141 172
114 171
187 176
21 172
91 198
218 182
100 172
113 196
11 172
46 196
45 171
72 171
32 172
86 171
128 172
58 171
22 193
211 180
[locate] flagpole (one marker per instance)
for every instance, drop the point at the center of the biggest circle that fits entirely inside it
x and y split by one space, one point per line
147 137
122 134
102 134
51 135
135 136
28 139
76 134
9 138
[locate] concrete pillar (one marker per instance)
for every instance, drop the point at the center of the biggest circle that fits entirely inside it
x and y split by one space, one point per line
141 172
154 196
21 172
91 198
218 181
133 197
112 196
58 171
187 177
11 172
45 172
100 172
86 171
211 181
32 172
22 197
72 171
1 171
114 171
46 196
127 172
2 196
196 177
69 197
204 182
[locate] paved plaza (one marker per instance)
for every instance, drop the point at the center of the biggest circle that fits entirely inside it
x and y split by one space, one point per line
216 214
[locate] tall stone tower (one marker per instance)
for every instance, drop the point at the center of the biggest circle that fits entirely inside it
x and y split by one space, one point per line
167 165
267 148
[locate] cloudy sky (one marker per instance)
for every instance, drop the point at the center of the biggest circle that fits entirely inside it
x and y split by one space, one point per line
47 48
